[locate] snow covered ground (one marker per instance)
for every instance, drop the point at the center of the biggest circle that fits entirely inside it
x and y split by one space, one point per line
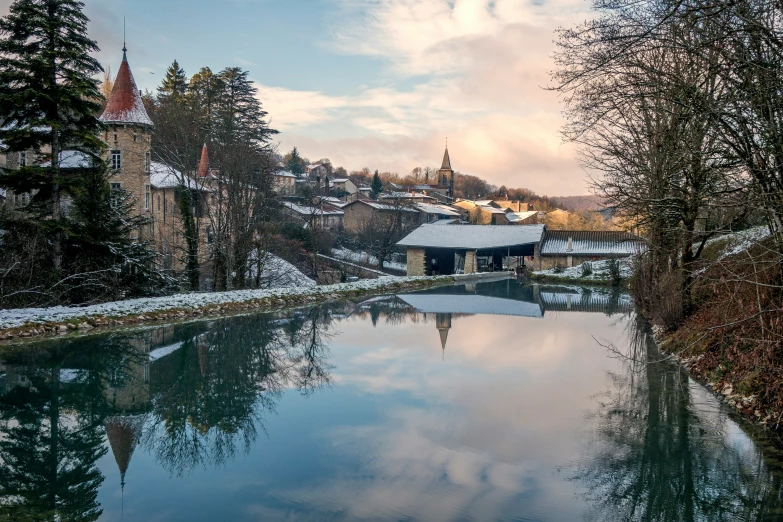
132 307
365 258
600 272
279 273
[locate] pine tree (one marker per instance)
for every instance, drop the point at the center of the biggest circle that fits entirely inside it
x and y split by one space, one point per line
240 118
295 163
174 85
49 100
376 187
203 91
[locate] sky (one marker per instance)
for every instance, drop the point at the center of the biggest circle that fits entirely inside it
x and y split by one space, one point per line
381 84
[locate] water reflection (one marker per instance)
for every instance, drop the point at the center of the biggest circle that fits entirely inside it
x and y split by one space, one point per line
664 449
303 413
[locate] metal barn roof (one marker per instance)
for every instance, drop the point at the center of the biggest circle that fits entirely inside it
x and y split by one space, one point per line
590 243
473 237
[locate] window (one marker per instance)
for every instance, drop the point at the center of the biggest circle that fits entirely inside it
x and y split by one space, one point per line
210 236
22 159
115 189
147 197
147 162
116 160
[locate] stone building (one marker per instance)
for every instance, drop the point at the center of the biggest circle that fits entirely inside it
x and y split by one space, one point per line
363 214
128 136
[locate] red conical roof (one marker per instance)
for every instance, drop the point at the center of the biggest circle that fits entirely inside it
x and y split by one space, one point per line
203 165
125 104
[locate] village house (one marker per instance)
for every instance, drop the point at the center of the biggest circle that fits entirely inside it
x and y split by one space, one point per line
363 213
316 172
321 215
431 212
485 212
284 183
343 187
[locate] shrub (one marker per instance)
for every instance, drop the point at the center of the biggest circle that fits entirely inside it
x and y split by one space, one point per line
557 269
587 269
614 270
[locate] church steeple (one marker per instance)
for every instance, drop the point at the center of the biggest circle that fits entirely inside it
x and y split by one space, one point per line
446 160
446 174
123 434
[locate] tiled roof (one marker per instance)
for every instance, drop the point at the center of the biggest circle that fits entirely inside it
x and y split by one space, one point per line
203 165
591 243
125 104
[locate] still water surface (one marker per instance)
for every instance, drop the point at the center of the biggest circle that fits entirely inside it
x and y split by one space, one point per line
494 401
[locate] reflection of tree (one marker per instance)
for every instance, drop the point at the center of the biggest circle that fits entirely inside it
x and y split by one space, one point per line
210 396
657 458
53 432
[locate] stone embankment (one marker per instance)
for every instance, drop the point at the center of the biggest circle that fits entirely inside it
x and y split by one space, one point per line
30 323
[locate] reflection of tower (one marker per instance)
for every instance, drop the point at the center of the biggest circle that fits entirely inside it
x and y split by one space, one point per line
123 434
443 324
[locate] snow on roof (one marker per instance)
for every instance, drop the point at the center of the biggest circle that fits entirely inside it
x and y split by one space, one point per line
163 176
484 202
125 104
521 216
445 222
72 159
493 210
284 174
310 211
405 195
471 304
437 209
592 243
383 206
473 237
340 180
337 202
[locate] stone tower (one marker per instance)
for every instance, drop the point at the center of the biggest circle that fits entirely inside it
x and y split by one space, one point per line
446 175
128 138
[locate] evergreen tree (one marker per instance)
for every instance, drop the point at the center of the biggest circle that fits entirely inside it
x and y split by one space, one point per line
294 162
49 100
101 251
239 116
376 187
174 85
203 91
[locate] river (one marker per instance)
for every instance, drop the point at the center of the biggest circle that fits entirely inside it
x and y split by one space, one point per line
493 401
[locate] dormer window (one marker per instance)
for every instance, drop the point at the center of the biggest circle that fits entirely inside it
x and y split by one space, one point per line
116 160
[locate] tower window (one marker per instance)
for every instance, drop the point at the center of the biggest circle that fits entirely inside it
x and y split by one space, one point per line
147 197
147 161
116 160
115 189
22 159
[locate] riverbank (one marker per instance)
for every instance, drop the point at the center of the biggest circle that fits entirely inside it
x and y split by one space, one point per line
37 322
599 273
733 340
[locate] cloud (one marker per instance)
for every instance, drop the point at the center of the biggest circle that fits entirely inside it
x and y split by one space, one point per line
472 71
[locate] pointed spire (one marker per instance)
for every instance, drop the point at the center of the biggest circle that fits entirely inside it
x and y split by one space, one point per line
123 434
125 105
203 165
446 160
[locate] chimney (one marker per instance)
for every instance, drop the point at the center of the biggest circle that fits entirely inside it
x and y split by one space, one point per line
570 244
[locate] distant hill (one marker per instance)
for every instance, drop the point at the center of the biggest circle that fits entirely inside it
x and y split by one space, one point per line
577 203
